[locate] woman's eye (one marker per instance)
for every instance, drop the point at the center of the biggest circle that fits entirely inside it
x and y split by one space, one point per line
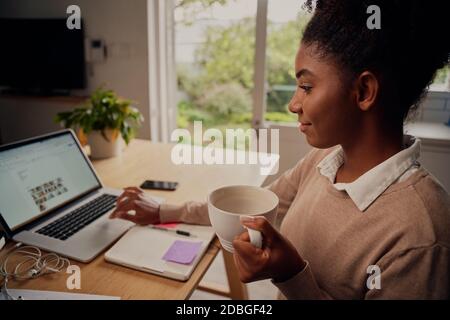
305 88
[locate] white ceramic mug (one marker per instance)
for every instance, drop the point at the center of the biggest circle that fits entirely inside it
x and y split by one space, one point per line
226 205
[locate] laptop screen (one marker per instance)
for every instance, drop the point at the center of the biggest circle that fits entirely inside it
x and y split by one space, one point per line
40 175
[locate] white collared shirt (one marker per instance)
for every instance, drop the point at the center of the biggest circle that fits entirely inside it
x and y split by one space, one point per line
368 187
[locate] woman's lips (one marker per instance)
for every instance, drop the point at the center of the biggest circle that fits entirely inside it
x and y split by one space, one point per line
303 126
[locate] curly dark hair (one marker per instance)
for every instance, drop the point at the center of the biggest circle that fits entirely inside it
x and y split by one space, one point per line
404 54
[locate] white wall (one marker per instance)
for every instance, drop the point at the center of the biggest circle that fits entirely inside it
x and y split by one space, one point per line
122 24
22 118
293 147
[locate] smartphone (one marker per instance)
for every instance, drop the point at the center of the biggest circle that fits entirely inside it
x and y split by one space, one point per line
159 185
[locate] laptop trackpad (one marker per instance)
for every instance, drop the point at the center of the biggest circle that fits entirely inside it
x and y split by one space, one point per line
113 225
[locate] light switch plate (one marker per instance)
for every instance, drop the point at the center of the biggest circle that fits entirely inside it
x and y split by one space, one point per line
97 51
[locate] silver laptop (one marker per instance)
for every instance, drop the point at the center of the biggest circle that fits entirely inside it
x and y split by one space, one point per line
52 198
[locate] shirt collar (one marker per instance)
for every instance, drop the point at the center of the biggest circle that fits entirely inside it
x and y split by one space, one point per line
368 187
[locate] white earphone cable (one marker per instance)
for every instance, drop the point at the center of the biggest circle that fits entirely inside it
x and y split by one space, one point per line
30 265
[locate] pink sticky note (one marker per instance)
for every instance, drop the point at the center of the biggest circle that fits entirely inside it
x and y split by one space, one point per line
183 252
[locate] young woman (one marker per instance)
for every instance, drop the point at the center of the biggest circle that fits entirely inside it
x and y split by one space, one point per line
362 218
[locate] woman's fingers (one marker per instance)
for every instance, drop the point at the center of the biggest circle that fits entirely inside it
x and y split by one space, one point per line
249 253
129 193
134 190
250 260
249 270
115 214
278 259
124 206
260 224
141 215
244 236
126 197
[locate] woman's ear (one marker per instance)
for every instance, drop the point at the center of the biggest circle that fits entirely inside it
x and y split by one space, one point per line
367 90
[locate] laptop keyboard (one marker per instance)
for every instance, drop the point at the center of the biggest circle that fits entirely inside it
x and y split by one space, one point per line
71 223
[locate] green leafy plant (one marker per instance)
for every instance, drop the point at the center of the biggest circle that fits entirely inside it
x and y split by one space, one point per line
104 110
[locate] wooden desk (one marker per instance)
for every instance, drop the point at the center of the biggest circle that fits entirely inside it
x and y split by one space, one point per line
144 160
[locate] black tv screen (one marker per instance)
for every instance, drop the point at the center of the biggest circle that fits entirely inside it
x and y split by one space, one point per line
41 54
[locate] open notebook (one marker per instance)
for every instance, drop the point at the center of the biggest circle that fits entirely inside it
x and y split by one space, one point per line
151 250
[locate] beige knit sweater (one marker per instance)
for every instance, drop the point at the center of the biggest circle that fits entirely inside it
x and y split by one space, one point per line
405 233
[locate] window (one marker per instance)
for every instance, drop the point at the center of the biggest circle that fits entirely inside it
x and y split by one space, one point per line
215 51
285 25
216 59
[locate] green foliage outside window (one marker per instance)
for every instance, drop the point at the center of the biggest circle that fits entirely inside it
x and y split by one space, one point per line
219 86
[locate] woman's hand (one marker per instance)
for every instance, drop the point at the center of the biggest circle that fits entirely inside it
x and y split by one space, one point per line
146 211
277 259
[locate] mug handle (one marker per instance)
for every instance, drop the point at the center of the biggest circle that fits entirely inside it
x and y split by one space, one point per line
256 238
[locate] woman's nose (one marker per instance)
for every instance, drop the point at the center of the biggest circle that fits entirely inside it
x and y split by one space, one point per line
295 105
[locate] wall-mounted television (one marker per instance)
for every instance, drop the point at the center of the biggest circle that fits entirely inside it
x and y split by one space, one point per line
41 55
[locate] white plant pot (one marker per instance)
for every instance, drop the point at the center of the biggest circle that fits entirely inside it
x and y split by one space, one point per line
102 148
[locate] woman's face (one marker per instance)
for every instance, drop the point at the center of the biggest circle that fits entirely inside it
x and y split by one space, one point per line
327 112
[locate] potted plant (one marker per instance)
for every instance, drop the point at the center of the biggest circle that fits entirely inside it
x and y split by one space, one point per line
105 121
